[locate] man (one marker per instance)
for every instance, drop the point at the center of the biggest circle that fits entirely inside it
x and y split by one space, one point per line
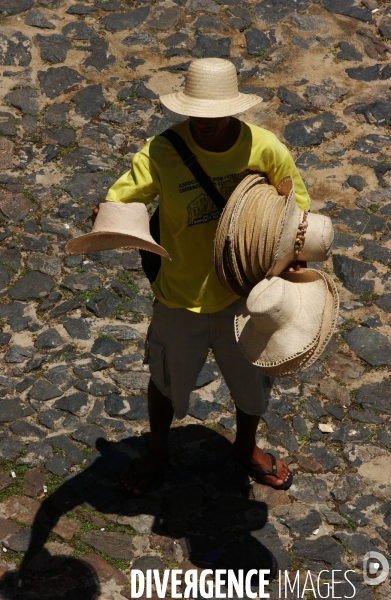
193 311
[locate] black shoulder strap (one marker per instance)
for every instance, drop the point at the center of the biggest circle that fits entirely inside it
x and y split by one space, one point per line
194 166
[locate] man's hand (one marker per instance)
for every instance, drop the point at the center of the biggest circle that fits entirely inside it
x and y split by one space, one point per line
296 266
95 211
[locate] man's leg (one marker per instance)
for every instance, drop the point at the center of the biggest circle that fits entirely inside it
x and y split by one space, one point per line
137 477
250 391
247 451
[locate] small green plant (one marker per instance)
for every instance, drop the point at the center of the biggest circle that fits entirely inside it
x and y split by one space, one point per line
88 296
102 335
29 195
71 148
53 482
369 297
353 393
349 525
305 438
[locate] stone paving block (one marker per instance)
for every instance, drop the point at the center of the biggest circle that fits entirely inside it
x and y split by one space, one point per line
52 556
58 465
66 528
33 483
19 542
22 509
115 544
36 454
64 443
105 571
7 529
324 549
89 434
308 489
43 390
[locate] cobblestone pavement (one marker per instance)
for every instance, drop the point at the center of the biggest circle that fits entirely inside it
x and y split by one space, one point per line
80 83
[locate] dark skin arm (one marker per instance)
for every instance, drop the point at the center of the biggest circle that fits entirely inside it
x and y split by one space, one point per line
296 266
96 210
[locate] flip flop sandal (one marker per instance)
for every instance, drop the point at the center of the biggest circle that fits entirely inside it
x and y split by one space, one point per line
258 473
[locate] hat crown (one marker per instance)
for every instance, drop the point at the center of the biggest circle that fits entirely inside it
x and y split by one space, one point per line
117 225
272 303
211 79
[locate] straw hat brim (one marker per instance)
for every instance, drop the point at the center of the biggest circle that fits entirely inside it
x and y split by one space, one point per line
183 104
285 252
221 251
300 334
97 241
328 326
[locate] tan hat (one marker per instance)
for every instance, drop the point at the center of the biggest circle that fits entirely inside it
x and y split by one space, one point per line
117 225
316 233
287 321
211 90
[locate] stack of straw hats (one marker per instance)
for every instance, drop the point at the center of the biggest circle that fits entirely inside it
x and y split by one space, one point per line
288 318
262 230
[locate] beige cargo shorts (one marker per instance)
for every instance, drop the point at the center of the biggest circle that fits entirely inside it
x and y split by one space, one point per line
177 345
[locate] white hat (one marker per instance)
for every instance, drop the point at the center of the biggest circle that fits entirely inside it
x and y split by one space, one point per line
287 321
211 90
117 225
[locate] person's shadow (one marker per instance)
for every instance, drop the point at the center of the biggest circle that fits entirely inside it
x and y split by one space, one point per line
201 500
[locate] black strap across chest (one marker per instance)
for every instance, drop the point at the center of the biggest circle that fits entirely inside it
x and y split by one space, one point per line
191 162
151 262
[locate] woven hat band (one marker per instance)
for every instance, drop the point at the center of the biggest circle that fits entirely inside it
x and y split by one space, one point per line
272 304
211 79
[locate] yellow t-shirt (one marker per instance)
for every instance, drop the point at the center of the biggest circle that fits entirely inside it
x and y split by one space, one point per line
188 217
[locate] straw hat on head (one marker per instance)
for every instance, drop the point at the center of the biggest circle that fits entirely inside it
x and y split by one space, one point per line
117 225
287 321
211 90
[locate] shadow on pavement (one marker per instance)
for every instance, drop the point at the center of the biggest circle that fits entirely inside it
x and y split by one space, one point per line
201 500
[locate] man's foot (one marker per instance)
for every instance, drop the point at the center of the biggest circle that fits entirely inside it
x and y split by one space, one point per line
141 472
261 461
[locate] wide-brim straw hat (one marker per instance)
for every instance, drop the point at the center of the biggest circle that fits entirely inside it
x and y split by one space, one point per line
287 321
117 225
211 90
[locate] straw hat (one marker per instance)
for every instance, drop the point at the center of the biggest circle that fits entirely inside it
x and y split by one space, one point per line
313 232
211 90
261 231
287 321
117 225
